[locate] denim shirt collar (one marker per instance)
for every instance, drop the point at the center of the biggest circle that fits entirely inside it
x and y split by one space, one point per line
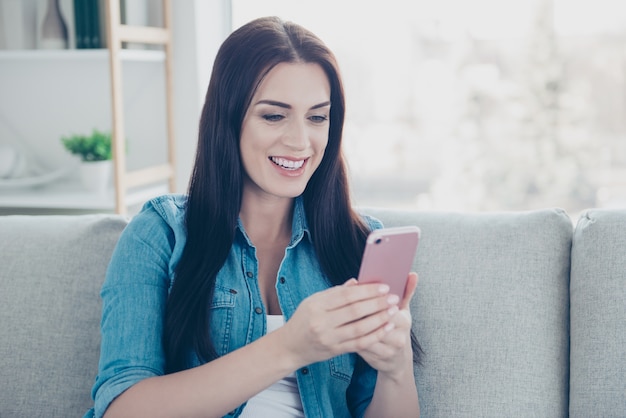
299 225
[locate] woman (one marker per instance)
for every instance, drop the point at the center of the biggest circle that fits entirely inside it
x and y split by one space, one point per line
239 299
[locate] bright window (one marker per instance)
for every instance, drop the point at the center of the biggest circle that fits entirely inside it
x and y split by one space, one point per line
477 104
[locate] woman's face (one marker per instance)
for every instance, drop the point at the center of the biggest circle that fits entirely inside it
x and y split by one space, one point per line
285 130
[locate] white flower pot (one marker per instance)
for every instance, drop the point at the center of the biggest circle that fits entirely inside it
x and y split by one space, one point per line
12 163
96 175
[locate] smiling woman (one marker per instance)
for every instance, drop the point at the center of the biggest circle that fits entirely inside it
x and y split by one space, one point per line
240 297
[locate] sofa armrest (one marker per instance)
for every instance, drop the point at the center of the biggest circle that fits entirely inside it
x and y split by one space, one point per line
598 315
51 271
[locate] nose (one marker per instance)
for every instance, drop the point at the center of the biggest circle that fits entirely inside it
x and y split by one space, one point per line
297 135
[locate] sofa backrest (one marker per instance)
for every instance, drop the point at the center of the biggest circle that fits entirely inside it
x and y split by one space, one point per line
598 315
50 278
491 312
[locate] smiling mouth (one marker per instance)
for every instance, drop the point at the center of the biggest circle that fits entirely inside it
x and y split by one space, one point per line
287 164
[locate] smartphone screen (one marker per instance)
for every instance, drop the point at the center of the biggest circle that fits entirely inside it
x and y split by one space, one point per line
388 256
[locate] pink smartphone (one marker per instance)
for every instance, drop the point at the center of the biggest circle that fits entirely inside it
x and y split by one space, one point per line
388 256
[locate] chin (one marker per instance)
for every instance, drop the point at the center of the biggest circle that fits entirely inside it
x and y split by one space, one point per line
288 192
291 195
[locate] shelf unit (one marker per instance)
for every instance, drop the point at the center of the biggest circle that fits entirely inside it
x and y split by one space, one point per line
117 34
31 116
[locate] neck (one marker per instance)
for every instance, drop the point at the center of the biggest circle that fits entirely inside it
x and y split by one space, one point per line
267 220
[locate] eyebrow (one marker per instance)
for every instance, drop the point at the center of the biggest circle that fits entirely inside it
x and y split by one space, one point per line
288 106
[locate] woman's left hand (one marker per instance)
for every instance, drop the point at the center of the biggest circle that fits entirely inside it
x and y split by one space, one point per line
393 354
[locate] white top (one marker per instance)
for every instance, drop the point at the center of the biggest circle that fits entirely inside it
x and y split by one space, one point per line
282 399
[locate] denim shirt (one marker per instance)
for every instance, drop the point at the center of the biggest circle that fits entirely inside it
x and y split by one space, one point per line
137 284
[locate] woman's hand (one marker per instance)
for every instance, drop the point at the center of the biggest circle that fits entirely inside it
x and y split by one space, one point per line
392 354
339 320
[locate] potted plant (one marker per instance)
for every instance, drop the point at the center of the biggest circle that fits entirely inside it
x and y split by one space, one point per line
95 153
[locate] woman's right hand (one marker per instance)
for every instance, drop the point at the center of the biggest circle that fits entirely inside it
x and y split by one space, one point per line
339 320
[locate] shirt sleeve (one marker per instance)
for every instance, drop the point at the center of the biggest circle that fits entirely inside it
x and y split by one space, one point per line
372 222
134 295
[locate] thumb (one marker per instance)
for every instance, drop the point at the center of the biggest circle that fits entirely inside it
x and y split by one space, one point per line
409 290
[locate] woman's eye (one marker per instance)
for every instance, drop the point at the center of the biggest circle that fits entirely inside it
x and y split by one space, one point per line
273 117
319 118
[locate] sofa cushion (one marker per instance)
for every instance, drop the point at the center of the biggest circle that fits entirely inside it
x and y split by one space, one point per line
51 271
598 315
491 312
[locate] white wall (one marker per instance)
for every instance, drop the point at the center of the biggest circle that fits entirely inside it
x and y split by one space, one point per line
200 26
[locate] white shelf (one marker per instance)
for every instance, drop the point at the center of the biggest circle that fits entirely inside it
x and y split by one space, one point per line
65 55
69 194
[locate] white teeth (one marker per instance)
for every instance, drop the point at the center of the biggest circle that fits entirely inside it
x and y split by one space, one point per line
289 164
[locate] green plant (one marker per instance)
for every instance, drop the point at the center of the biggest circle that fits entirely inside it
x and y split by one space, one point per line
94 147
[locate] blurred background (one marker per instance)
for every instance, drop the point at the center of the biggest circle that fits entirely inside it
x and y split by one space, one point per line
477 104
458 105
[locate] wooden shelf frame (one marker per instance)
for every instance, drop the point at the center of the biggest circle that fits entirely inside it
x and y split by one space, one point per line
118 33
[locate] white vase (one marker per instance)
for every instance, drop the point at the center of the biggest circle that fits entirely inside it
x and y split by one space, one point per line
96 175
54 30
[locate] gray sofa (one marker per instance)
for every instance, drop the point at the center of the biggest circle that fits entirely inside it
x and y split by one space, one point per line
520 314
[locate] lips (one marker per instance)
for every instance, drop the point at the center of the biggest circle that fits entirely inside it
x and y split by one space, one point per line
287 164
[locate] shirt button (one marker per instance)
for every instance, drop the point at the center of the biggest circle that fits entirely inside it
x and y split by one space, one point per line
282 280
249 274
258 310
305 370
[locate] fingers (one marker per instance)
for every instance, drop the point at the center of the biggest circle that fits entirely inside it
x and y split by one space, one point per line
353 312
401 321
367 301
370 322
347 294
384 353
388 330
351 317
364 316
351 282
409 291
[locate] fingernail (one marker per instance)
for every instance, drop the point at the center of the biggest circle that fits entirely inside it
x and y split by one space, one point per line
383 288
391 311
393 299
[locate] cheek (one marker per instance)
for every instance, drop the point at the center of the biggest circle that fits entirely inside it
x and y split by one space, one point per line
321 141
256 136
246 150
249 141
320 144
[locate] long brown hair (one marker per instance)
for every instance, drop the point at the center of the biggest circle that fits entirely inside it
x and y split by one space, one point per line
215 189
